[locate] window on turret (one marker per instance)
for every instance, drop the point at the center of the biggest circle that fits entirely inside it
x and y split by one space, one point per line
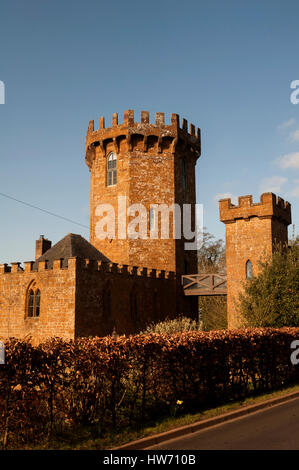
111 169
249 273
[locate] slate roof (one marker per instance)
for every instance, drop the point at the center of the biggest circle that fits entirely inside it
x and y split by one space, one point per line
72 245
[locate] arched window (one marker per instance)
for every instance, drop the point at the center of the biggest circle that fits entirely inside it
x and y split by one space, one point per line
249 273
111 169
37 303
30 303
33 301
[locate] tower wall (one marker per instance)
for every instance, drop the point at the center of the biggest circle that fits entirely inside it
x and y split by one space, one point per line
252 230
149 171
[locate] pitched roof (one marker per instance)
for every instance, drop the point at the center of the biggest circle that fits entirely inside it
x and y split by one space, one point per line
72 245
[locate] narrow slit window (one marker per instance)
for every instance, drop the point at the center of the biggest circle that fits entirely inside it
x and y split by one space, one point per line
37 304
249 270
30 303
111 169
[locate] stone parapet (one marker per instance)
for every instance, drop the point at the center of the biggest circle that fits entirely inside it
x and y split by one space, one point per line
269 206
142 135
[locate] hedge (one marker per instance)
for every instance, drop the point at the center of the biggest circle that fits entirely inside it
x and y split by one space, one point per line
113 383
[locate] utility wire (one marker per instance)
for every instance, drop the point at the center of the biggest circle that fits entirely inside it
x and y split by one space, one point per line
43 210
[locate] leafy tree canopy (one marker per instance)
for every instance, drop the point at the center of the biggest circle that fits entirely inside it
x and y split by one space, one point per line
211 256
271 299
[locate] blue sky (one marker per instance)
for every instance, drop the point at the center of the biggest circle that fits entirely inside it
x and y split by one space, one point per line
225 66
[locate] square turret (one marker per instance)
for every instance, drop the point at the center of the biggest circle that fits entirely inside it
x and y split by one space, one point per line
252 231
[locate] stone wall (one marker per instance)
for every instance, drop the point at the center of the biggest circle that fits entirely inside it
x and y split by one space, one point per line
252 231
149 171
88 298
137 297
57 309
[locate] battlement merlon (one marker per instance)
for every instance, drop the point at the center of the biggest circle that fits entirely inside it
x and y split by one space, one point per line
83 264
269 206
158 131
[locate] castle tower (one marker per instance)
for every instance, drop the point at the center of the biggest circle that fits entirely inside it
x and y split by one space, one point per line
148 164
251 230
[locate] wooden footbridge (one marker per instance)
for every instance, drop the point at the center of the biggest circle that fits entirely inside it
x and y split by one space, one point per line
204 284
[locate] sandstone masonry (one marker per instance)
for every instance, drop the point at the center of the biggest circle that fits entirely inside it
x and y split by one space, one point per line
252 231
153 160
77 288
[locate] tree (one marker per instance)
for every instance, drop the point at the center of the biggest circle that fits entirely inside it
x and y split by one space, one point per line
271 299
211 256
211 260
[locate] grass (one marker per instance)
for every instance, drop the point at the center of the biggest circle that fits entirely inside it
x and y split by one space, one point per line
85 441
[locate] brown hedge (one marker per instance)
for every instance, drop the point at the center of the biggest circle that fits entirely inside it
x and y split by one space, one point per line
108 383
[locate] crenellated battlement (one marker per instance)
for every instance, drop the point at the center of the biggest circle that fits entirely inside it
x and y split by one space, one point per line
270 206
33 266
124 269
86 265
142 135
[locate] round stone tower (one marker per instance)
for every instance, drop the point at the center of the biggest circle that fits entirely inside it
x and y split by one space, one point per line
149 164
